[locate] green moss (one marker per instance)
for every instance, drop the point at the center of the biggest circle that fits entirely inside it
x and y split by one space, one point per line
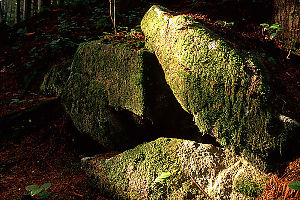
107 82
86 102
131 174
118 68
55 80
248 186
223 87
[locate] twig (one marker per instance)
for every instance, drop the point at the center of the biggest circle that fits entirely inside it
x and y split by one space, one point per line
80 195
110 14
200 188
167 192
288 56
113 18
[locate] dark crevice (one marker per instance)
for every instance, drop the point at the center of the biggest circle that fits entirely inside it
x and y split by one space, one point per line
167 117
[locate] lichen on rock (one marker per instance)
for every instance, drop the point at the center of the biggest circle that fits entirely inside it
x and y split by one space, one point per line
223 87
132 174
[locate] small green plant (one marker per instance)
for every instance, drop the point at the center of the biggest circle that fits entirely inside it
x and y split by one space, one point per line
273 30
224 23
21 31
122 28
40 192
13 101
294 185
15 47
248 186
162 177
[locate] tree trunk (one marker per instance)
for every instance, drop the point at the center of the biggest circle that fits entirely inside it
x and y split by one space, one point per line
7 2
3 16
18 11
39 5
11 13
27 9
286 13
6 9
33 7
1 12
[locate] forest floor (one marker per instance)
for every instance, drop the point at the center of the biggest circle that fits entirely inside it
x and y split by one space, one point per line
41 145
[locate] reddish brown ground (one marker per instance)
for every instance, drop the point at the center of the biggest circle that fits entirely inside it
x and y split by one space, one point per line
48 153
44 156
277 185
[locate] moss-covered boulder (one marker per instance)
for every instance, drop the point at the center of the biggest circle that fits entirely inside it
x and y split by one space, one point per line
170 169
105 94
223 87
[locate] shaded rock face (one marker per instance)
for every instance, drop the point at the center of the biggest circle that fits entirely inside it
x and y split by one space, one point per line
224 88
132 174
56 78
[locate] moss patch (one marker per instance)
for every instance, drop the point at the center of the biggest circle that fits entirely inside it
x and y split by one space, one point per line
56 78
105 93
118 68
224 88
132 174
249 186
86 102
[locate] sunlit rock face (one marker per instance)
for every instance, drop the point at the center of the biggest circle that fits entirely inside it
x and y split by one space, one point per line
224 88
134 174
104 93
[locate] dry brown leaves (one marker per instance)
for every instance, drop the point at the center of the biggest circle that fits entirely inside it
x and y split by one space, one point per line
277 187
44 157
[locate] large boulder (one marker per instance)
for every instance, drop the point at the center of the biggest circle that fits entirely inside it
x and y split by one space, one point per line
175 169
104 93
223 87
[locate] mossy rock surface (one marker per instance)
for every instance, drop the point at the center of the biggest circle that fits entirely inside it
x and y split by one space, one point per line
132 174
118 68
105 93
56 78
86 102
223 87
